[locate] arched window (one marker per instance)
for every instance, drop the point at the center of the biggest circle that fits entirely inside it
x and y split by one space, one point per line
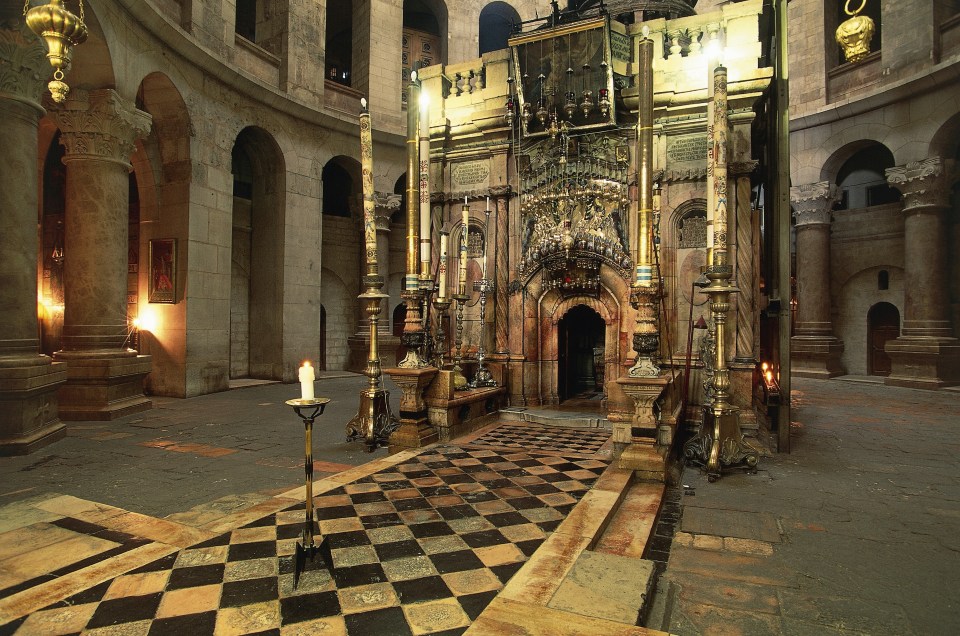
337 189
496 25
339 41
883 279
862 179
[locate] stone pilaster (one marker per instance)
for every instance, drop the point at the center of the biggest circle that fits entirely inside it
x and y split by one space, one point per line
926 355
387 343
28 381
815 350
104 380
502 269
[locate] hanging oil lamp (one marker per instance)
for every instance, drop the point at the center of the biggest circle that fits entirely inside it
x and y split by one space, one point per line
60 30
587 104
854 35
604 95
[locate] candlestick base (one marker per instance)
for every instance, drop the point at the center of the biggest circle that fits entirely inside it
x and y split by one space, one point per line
373 423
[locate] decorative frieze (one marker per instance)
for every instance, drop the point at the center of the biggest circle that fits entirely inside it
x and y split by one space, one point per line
99 124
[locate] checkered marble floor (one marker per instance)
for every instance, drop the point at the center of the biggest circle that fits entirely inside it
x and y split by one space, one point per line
420 547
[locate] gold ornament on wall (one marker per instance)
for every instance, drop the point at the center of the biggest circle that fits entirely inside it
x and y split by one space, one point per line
854 35
60 30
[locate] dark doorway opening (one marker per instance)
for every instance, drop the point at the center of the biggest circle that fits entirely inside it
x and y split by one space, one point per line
581 334
883 324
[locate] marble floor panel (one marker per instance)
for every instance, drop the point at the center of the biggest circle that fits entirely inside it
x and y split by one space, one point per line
420 543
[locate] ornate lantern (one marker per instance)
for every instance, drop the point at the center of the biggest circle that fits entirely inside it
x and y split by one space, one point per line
61 30
854 35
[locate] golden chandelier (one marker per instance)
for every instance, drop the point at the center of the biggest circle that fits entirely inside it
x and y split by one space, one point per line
61 30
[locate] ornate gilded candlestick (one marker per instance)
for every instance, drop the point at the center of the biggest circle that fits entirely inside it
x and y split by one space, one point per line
720 440
373 422
483 376
459 380
308 410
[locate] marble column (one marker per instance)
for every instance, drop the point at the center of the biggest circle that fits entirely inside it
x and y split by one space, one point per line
104 379
815 350
746 328
926 355
501 276
387 343
28 380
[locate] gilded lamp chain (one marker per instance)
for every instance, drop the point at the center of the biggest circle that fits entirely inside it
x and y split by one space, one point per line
854 35
60 30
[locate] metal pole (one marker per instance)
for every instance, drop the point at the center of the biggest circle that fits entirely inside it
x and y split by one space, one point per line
782 215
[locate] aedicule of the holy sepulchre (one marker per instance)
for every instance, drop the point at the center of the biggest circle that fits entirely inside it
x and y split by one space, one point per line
578 205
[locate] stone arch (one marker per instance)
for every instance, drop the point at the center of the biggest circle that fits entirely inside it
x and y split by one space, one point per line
428 16
341 184
257 255
856 294
163 166
339 302
495 25
945 142
541 322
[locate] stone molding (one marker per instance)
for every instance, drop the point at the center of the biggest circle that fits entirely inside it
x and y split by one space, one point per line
99 124
922 183
812 202
742 168
23 63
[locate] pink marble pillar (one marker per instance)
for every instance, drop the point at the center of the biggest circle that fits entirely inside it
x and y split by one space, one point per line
105 379
28 380
926 355
815 351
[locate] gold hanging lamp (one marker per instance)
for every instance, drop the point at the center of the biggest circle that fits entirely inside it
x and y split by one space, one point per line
854 35
61 30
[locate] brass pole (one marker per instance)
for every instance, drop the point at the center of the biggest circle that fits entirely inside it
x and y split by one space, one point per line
644 162
413 337
374 422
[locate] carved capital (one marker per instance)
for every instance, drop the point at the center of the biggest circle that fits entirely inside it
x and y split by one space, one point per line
922 183
386 204
23 63
812 202
501 191
100 124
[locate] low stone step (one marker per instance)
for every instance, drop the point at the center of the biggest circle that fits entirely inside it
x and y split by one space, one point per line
550 417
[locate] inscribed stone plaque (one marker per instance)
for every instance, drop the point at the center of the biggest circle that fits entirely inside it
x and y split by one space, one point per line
687 149
470 175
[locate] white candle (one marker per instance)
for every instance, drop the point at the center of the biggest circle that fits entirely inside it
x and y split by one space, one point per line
442 282
486 240
306 381
464 242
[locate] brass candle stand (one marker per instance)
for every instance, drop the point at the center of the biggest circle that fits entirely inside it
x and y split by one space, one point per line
459 380
308 410
720 441
373 422
483 377
442 305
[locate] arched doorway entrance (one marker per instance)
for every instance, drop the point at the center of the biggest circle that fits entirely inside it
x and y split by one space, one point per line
580 349
883 324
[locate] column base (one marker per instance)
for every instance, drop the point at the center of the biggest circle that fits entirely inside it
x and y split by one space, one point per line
29 405
415 430
815 357
923 363
741 395
103 388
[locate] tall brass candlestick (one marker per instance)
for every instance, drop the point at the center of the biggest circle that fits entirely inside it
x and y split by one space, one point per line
373 422
720 440
413 337
644 293
424 187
